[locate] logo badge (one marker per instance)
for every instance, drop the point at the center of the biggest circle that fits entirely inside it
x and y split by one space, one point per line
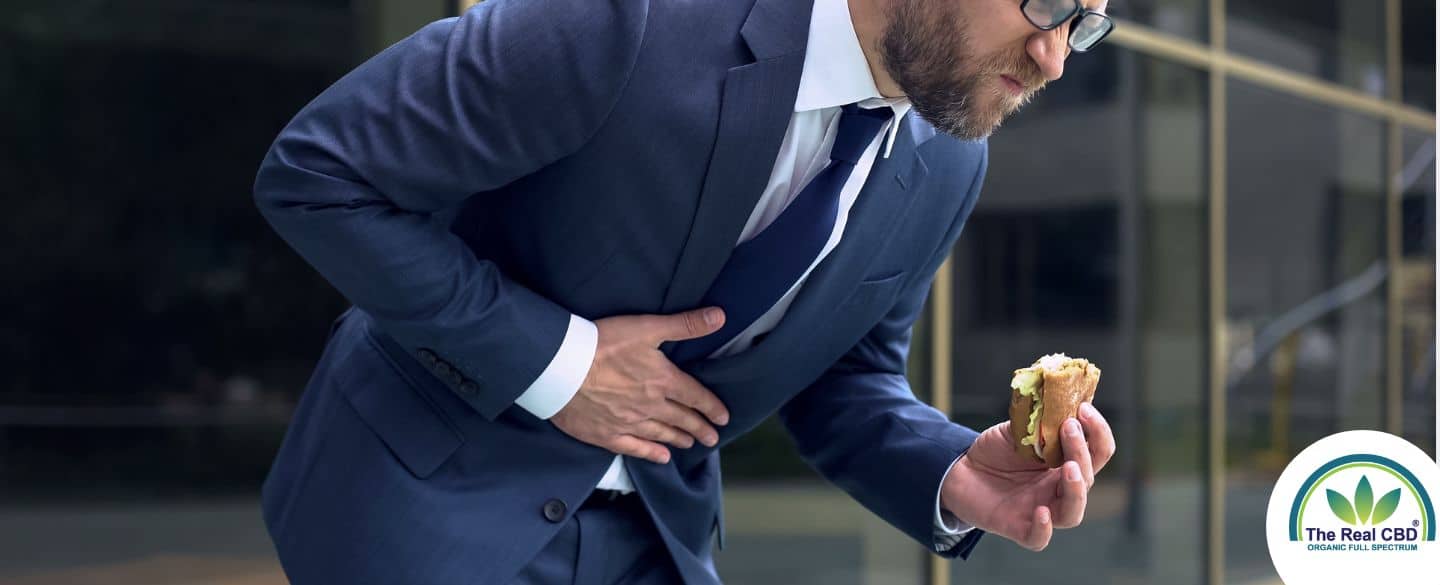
1355 505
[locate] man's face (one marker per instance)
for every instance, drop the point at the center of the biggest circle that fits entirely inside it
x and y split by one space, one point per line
967 64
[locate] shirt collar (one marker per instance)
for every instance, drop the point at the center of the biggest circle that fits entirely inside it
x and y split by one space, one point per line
836 72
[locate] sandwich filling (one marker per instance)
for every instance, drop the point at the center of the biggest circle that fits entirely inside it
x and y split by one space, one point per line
1028 382
1031 382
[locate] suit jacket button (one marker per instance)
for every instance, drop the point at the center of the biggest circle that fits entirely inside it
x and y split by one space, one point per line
427 357
468 388
554 510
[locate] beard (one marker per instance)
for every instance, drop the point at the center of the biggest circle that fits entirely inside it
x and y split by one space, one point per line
926 50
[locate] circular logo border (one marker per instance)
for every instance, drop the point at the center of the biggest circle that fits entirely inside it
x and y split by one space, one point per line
1302 556
1417 489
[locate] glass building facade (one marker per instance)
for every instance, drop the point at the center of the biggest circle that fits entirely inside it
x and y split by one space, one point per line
1229 206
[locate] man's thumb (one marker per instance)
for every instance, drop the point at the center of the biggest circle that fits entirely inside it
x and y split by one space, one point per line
693 324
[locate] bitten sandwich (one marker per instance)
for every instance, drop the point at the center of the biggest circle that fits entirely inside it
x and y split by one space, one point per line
1042 397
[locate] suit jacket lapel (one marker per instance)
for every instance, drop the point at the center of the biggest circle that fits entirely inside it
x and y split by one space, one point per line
755 110
888 194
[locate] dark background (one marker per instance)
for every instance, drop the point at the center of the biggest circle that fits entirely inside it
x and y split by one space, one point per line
154 332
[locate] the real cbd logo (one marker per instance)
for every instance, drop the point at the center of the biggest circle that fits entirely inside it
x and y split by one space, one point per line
1361 511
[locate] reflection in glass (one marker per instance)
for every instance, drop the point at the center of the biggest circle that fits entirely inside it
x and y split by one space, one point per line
1335 40
1086 27
1305 274
1104 264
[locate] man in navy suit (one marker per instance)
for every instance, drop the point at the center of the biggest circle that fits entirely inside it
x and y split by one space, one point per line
588 243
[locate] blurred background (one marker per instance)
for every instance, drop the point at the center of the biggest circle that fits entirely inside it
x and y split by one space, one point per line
1230 207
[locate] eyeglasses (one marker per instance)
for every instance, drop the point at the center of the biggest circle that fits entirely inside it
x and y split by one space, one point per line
1088 30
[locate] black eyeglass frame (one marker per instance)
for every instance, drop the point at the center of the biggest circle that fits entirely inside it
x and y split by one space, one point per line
1077 14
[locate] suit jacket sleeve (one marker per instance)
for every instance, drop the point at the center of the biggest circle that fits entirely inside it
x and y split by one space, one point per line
359 180
861 426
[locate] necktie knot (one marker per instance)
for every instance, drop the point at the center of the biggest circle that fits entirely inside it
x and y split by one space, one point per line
858 127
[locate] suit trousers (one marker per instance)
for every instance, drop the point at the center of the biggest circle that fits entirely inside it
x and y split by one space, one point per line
608 541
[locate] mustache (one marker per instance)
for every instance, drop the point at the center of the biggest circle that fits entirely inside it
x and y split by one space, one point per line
1018 67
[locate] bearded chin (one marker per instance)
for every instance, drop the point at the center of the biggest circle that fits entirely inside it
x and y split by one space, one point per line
952 108
924 62
953 105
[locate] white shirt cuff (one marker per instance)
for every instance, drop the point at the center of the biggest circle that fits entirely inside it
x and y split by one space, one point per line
560 380
945 522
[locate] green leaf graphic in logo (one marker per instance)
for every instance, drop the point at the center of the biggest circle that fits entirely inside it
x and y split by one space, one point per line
1340 506
1386 506
1364 499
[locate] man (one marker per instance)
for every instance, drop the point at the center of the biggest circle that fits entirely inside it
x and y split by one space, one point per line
589 243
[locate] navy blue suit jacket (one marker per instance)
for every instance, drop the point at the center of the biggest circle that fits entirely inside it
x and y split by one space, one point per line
471 186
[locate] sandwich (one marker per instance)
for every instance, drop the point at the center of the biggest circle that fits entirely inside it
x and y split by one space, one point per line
1042 397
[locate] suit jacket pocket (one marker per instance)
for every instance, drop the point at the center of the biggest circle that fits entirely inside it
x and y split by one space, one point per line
862 310
395 407
873 290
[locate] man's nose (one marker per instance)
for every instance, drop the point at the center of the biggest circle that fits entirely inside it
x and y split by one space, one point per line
1048 49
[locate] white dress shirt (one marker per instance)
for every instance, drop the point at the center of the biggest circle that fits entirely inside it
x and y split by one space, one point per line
835 74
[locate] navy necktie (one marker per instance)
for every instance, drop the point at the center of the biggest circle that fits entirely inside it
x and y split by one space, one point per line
762 269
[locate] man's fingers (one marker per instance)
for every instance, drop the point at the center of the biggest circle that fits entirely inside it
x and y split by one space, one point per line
640 449
1040 529
1072 495
690 392
1072 443
690 324
660 432
1098 435
686 419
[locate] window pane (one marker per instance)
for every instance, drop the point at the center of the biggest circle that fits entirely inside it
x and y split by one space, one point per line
143 273
1088 239
153 328
1417 50
1336 40
1417 289
1305 215
1186 18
